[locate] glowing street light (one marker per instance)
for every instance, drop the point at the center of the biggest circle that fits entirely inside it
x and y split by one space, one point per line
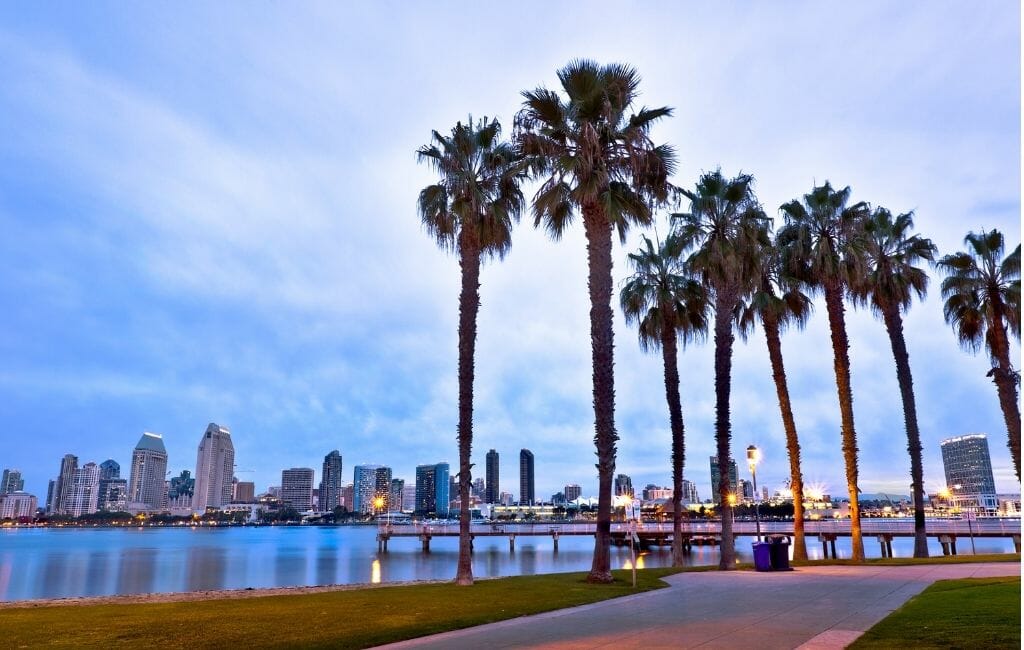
753 458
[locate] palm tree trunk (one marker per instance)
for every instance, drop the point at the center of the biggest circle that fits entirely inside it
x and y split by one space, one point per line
675 417
841 352
599 258
725 303
796 480
1006 382
894 325
469 305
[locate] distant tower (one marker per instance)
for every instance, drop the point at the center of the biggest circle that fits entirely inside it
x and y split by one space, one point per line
526 484
297 488
690 492
397 492
368 483
572 492
11 482
109 469
492 491
716 478
62 489
432 489
330 482
968 469
146 491
85 491
215 467
623 485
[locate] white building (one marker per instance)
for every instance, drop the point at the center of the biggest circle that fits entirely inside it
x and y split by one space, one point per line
215 467
85 491
17 504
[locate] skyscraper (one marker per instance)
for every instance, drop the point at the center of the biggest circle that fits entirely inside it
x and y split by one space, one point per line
432 489
181 491
690 492
623 485
297 488
526 485
572 492
85 491
245 492
62 489
146 490
397 490
11 482
110 468
716 476
370 482
215 467
330 482
492 491
968 469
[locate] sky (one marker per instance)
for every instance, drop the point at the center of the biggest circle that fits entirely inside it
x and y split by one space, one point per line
208 215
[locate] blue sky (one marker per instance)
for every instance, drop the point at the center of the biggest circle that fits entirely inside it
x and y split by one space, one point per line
208 215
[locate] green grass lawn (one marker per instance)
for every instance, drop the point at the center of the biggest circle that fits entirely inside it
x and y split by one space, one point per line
341 619
970 613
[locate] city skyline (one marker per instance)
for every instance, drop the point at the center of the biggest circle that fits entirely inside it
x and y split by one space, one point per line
233 241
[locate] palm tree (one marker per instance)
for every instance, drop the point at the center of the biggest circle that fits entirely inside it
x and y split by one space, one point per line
778 303
982 295
470 211
820 247
597 158
889 284
722 232
666 305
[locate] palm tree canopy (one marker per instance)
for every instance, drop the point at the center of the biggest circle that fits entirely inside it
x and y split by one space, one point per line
777 297
591 150
479 187
980 286
890 254
819 241
660 292
724 226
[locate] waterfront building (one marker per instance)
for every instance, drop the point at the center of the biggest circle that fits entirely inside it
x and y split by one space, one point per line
297 488
493 490
51 490
215 467
408 497
369 483
62 490
505 499
396 494
85 491
623 485
716 476
432 490
17 504
572 492
245 492
653 492
113 494
479 488
348 497
181 493
526 478
968 469
11 481
558 499
690 492
109 469
146 489
331 482
744 490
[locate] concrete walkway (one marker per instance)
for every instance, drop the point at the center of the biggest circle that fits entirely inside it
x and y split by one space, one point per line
810 608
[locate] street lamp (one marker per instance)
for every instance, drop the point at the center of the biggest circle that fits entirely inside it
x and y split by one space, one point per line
753 457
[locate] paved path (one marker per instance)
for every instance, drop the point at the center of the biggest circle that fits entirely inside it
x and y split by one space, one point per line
810 608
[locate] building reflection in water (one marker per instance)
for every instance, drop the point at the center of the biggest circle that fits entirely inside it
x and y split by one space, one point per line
327 565
137 571
205 568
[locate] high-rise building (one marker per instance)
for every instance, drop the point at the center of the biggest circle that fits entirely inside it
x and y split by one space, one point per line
690 492
11 481
17 504
110 468
297 488
478 489
146 491
623 485
505 498
968 469
409 497
181 492
113 494
62 490
370 482
744 490
348 497
527 497
572 492
492 490
331 482
215 467
51 494
245 492
716 477
85 491
397 492
432 490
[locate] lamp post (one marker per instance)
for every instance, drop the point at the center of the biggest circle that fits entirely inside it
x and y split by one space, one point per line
753 457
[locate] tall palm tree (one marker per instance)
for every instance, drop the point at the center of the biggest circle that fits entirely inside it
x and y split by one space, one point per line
721 233
471 211
888 285
777 303
667 305
821 247
982 294
596 157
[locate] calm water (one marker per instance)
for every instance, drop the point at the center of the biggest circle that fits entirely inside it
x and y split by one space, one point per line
58 563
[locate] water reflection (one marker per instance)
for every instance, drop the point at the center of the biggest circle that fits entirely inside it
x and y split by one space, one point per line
206 568
375 571
136 571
